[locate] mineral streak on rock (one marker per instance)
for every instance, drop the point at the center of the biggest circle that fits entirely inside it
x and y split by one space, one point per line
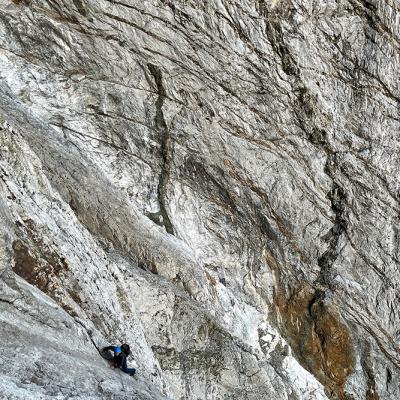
213 182
319 339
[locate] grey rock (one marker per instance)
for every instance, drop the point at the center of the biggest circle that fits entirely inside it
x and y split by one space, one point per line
215 183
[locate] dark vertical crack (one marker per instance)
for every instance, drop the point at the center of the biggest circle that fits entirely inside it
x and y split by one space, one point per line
337 197
305 111
89 333
274 34
304 106
388 378
166 147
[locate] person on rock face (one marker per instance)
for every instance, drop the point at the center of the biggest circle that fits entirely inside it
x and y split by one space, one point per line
119 360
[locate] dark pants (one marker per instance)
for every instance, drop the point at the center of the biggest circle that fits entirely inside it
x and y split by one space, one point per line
125 368
109 356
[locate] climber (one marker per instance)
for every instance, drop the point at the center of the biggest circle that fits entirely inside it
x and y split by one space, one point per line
119 360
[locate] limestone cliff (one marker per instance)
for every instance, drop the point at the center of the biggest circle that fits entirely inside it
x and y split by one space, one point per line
215 182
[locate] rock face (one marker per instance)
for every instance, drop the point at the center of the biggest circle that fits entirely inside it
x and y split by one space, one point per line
215 183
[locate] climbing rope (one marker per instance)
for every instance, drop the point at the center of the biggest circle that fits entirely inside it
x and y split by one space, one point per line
121 379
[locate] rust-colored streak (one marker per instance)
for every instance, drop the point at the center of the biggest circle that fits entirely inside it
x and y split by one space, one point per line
319 339
23 2
36 263
27 267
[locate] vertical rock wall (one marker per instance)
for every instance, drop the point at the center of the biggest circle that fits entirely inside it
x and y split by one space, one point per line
214 182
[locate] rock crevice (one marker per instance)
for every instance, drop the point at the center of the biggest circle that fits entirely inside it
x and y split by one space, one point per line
166 147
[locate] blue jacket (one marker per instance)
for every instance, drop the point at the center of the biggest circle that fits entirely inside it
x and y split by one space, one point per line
119 355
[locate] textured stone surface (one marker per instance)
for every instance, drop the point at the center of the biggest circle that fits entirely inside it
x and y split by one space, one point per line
214 182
